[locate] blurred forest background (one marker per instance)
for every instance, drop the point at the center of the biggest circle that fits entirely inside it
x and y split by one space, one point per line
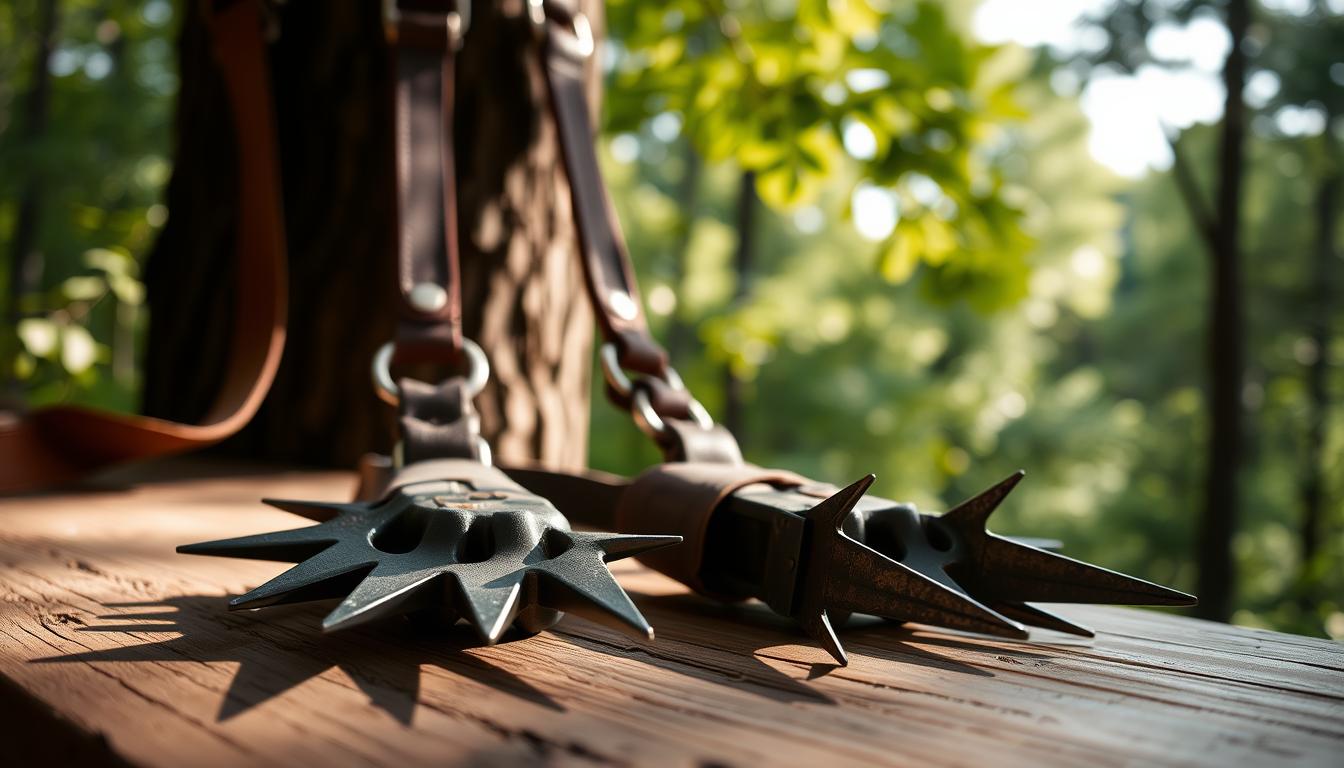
877 236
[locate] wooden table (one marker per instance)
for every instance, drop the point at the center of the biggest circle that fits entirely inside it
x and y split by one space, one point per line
114 649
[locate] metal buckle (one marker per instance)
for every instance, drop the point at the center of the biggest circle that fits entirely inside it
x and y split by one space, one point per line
478 371
579 45
457 21
646 418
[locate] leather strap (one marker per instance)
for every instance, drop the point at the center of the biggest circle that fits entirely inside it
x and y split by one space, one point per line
427 35
58 444
438 422
567 42
566 45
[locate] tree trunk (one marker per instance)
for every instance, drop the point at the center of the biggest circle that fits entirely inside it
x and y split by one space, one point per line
1318 403
1219 517
25 262
743 264
332 78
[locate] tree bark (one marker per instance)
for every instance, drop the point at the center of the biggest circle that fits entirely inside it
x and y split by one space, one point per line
1218 519
522 290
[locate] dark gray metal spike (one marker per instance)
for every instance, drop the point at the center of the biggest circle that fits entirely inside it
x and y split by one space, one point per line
383 592
1037 617
620 546
490 608
977 509
321 511
318 571
579 583
289 546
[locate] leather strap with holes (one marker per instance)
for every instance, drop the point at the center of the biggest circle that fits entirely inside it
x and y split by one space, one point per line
426 35
58 444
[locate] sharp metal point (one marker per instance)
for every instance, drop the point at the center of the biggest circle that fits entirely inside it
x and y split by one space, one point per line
842 574
289 546
379 595
977 509
1037 617
832 512
326 569
618 547
818 626
592 593
489 609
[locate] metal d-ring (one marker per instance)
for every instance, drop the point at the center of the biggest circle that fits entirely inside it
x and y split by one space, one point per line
478 371
651 424
619 382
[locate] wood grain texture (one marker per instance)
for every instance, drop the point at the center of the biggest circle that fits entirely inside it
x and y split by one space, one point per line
114 648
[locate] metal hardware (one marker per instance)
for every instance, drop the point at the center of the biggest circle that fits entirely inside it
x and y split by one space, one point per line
428 297
651 424
580 44
455 541
457 21
478 371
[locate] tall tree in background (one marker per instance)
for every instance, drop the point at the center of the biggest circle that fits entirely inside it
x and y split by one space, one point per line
25 263
1309 75
1128 26
332 80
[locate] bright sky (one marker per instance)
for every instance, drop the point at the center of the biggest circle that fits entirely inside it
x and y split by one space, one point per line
1129 113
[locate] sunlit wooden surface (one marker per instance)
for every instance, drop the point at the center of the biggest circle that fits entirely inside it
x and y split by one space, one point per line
115 649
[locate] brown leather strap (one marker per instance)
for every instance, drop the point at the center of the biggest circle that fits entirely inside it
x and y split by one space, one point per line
679 499
427 35
58 444
566 44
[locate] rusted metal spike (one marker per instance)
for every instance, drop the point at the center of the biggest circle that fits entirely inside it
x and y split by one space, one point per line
1007 570
818 627
841 574
976 510
320 511
1036 617
831 513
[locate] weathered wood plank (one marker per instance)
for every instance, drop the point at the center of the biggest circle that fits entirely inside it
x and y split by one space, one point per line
109 633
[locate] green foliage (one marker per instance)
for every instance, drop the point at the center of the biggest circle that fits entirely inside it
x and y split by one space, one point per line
1089 373
97 171
783 88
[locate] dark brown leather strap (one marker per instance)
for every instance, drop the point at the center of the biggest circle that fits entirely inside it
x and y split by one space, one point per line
58 444
427 35
566 44
680 498
687 434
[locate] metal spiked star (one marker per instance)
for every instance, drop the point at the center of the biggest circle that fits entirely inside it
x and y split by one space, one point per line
467 543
